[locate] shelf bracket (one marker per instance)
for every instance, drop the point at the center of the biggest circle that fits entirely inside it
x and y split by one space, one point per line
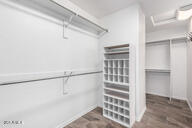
65 26
65 82
102 34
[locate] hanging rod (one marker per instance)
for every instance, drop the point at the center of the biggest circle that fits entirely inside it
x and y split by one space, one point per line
48 78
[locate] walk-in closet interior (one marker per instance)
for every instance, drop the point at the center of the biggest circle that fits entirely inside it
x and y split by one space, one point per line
95 64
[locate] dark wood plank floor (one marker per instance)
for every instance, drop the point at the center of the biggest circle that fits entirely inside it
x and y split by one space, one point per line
160 113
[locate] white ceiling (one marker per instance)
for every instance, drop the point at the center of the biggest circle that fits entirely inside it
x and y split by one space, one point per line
158 7
101 8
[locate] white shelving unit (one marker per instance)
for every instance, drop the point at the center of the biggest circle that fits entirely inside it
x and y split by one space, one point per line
159 65
116 87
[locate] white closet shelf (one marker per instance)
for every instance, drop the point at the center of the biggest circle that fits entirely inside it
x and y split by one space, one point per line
117 83
117 97
158 70
117 46
115 59
166 40
120 95
117 90
113 53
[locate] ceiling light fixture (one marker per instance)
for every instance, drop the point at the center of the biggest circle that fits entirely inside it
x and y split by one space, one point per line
184 13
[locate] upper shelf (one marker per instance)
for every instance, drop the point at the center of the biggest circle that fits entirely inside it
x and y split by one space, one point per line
158 70
62 13
113 53
117 46
166 40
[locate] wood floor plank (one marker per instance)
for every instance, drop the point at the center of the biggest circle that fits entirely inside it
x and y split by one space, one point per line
160 113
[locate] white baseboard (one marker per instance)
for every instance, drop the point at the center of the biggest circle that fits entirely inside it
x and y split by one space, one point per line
190 105
157 94
65 123
141 115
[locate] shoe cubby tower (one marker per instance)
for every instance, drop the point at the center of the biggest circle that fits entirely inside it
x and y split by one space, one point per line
116 96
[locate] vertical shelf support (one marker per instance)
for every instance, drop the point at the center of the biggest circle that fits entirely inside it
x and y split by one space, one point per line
171 84
65 82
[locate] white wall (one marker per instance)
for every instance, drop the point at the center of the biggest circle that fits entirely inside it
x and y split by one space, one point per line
29 46
189 69
158 83
166 34
125 27
158 56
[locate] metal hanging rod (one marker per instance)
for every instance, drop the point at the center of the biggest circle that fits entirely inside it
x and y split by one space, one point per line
48 78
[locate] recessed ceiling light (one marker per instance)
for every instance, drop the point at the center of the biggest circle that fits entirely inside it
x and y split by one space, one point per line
164 18
184 13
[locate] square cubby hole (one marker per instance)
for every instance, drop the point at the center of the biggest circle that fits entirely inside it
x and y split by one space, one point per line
110 70
106 105
121 103
121 63
110 100
126 71
115 64
126 112
106 98
127 121
115 79
115 101
126 104
111 63
106 70
126 79
106 77
120 71
106 63
111 78
115 71
116 116
111 107
121 79
121 110
116 109
126 63
106 112
111 114
121 119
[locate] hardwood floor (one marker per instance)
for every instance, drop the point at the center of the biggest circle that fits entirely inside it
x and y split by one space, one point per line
160 113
